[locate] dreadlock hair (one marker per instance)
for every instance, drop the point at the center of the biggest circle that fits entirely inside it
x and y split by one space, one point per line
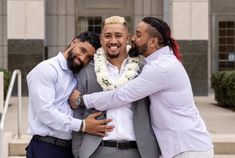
161 30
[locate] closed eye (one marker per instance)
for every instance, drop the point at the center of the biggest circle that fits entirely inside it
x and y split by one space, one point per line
84 51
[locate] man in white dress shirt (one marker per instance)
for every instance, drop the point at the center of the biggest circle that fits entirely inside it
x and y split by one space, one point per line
176 122
50 84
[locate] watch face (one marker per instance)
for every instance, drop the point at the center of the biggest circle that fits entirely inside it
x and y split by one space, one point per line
79 100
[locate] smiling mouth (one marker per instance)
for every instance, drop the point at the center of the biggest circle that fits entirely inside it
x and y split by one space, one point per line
76 62
113 48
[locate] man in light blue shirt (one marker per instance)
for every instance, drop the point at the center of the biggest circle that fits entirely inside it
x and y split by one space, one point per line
50 84
176 122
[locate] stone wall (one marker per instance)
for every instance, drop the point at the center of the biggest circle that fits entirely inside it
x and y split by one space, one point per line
195 61
3 34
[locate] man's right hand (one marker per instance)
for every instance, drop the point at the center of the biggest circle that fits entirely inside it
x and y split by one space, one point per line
97 127
72 99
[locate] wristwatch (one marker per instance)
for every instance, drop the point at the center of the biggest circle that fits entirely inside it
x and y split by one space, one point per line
80 101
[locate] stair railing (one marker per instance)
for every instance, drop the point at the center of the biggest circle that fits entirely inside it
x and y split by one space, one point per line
16 73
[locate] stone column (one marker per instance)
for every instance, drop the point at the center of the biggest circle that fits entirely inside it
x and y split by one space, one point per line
145 8
26 34
60 25
3 34
189 24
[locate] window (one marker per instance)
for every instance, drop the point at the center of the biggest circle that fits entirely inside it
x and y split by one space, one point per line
226 45
94 24
89 24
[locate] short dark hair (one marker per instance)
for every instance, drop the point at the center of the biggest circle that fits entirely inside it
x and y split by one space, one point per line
90 37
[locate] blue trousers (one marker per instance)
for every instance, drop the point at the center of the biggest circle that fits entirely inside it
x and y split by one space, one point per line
39 149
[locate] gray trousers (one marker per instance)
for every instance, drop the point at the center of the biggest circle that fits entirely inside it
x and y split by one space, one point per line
110 152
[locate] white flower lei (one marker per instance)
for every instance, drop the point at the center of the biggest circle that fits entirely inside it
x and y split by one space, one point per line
131 71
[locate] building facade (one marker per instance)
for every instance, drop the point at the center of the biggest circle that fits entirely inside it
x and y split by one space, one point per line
35 30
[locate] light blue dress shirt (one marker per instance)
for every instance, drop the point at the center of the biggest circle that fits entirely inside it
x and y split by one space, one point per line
175 118
50 84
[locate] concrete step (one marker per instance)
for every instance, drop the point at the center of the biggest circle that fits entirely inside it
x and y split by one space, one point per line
17 146
224 144
7 137
224 156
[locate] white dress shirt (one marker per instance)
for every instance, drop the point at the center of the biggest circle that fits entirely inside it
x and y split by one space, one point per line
50 83
122 116
175 119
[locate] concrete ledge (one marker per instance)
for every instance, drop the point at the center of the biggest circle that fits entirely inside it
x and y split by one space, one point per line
7 138
224 143
17 146
224 156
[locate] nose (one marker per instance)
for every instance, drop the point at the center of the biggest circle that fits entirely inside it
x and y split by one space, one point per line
133 38
113 39
83 58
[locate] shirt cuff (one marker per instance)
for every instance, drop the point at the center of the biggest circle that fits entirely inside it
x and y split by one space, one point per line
86 101
76 124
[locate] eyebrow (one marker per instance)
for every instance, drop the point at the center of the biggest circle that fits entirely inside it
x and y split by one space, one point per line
137 31
83 48
114 33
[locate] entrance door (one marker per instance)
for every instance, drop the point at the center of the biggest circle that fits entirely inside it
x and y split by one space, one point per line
224 43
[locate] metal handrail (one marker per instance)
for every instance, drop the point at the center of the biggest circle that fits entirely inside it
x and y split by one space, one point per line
9 93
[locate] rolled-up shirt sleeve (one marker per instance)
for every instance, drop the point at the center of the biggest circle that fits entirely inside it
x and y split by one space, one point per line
150 80
41 85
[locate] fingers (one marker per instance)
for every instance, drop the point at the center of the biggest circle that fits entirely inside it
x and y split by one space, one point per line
104 121
72 99
101 134
97 127
78 92
99 122
95 115
74 42
107 128
72 45
100 130
75 93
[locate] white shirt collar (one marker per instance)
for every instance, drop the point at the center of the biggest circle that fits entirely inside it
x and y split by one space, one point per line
154 55
62 61
123 62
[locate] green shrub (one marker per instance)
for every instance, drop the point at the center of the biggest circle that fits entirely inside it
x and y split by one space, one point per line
223 83
7 79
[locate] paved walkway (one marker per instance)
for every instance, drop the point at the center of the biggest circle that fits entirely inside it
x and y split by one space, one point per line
218 120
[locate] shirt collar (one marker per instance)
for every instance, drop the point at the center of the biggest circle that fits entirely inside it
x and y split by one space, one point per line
154 55
123 63
62 61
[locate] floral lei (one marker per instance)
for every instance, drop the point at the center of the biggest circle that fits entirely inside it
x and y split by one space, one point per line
132 69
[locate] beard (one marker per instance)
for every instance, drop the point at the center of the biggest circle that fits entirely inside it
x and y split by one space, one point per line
114 54
137 50
72 65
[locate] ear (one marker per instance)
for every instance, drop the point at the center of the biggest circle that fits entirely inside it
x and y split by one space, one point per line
154 42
